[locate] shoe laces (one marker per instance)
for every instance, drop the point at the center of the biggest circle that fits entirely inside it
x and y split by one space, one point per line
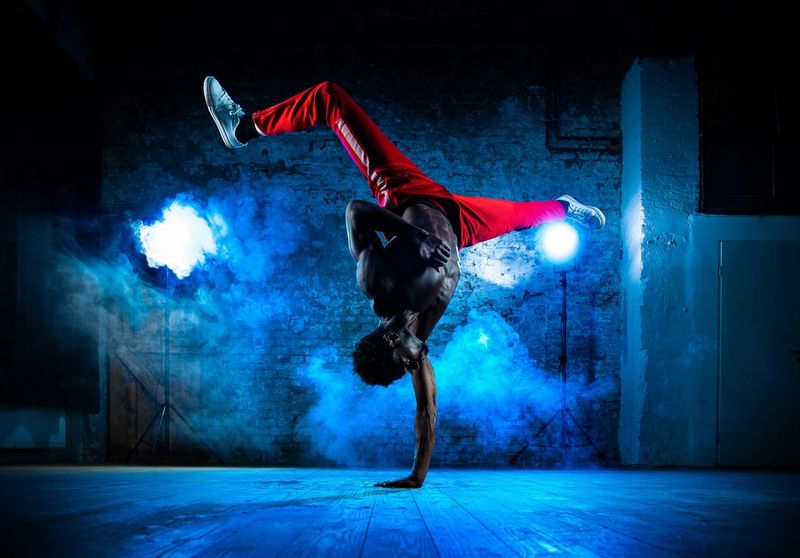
233 108
578 211
581 211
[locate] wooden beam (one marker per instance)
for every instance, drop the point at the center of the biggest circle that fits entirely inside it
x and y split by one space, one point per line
152 386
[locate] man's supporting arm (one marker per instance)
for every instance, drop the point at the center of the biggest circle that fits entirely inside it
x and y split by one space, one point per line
424 427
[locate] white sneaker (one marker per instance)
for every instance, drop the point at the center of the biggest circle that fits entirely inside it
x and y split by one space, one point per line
587 215
224 111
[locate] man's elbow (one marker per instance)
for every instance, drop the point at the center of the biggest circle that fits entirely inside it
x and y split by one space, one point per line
354 208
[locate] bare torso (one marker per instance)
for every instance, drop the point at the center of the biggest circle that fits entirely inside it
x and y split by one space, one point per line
397 279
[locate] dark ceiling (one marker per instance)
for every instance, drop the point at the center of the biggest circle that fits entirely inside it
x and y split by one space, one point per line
202 28
159 35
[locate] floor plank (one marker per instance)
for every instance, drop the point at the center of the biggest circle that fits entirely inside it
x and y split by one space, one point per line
173 511
268 524
341 533
672 511
456 531
535 530
397 524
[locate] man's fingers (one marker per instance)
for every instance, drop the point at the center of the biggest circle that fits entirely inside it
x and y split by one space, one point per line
438 257
438 252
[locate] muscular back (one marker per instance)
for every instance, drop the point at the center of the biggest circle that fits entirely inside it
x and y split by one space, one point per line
401 280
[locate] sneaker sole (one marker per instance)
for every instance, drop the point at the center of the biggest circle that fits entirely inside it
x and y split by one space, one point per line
213 113
597 209
600 214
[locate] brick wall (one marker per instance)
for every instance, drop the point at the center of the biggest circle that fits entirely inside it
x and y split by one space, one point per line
471 117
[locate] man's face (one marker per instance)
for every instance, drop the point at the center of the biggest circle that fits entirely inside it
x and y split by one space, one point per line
407 349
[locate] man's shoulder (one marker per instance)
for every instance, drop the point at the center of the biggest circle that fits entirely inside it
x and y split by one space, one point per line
431 219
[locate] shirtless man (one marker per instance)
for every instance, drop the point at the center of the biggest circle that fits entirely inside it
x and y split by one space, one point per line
411 278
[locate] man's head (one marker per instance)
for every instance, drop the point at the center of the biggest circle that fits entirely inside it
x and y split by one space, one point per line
383 355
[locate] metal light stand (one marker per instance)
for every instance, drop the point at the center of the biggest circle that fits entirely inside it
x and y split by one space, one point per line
564 412
162 416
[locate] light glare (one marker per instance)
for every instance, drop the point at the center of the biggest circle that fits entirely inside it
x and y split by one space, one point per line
559 241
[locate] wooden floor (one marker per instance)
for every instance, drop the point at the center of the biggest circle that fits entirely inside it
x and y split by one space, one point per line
125 511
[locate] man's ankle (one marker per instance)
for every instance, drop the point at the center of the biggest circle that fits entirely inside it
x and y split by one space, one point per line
246 130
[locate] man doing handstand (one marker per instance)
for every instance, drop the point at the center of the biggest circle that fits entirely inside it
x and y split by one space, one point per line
411 278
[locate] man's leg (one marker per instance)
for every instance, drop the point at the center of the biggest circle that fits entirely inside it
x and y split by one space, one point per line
388 171
379 160
486 218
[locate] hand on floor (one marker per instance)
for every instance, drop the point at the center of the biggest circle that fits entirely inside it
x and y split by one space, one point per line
408 482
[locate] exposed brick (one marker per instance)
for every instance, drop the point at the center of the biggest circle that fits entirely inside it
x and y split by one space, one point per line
478 128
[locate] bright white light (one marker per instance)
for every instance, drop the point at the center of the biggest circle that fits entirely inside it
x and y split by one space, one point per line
180 240
633 221
559 241
483 339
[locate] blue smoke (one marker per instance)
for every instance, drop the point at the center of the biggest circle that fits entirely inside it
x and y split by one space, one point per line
486 374
488 388
232 313
223 302
253 233
350 422
236 302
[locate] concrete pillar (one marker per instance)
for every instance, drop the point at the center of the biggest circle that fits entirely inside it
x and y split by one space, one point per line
660 187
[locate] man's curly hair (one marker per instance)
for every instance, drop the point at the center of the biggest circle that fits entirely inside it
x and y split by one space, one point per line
373 360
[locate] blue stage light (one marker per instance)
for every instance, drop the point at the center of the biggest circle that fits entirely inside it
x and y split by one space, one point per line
559 242
180 240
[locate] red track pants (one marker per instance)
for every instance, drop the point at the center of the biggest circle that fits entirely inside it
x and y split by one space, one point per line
394 180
